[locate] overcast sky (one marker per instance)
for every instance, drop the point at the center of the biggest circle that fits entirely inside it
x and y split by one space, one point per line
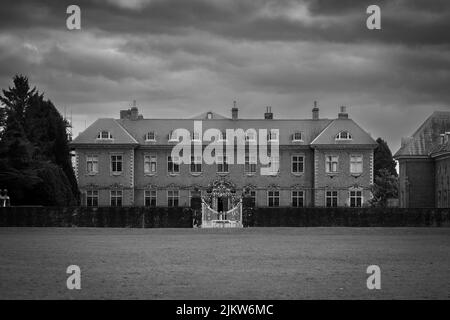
178 58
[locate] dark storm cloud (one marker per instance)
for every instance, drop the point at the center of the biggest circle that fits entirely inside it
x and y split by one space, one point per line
182 57
412 22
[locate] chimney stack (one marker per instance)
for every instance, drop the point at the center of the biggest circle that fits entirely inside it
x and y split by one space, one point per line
268 115
343 113
315 111
125 114
132 113
234 111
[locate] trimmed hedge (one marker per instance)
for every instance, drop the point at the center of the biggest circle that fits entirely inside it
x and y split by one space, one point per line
346 217
182 217
111 217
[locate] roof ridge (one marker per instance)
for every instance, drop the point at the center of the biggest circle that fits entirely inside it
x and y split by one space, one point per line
441 112
225 118
126 131
428 119
414 137
321 132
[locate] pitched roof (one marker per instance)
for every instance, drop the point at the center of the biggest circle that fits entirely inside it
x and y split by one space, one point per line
120 136
328 135
426 137
162 127
316 132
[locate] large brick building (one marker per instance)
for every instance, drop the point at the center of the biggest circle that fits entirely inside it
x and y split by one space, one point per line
127 161
424 161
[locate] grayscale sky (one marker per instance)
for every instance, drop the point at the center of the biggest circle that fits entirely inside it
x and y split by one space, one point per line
178 58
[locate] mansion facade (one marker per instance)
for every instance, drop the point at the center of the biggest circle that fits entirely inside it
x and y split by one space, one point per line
127 162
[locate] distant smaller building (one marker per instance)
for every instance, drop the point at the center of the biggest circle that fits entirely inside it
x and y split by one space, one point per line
424 161
441 156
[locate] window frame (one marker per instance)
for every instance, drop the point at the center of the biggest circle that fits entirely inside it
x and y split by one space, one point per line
147 139
297 198
223 136
196 136
223 164
90 159
174 165
100 135
153 159
151 197
355 197
331 161
247 136
334 198
270 135
92 197
116 172
173 137
196 162
339 135
294 139
275 159
298 155
116 198
250 164
357 162
171 198
275 203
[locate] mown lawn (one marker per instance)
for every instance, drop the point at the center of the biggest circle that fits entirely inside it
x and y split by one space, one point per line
256 263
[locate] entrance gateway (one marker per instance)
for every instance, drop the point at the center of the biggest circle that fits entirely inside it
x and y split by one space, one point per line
221 207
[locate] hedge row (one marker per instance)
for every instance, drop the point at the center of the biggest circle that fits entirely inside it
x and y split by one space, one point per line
144 217
112 217
346 217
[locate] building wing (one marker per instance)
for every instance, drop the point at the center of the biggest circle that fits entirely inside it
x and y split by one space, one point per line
343 132
104 131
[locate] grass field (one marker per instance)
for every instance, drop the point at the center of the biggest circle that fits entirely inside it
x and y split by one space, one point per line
256 263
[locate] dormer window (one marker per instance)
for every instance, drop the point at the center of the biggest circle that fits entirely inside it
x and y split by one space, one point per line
104 135
150 136
209 115
250 136
344 135
173 136
297 136
272 136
